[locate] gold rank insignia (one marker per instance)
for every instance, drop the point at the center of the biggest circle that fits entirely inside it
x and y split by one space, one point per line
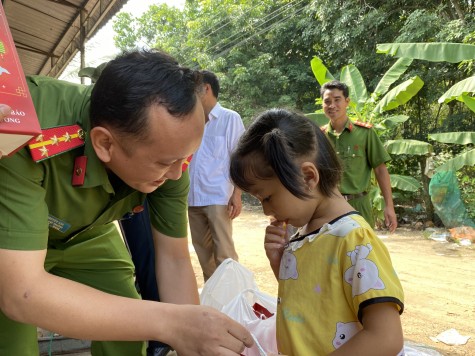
56 140
363 124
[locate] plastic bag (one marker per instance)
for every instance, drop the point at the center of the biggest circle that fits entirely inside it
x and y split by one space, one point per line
255 310
229 279
446 199
232 290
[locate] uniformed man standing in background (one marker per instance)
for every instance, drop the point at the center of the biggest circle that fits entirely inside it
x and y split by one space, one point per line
63 264
361 151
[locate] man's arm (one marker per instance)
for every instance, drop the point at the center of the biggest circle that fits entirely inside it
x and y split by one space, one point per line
29 294
384 182
235 203
175 276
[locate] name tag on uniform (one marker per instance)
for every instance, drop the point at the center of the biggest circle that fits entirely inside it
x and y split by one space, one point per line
57 224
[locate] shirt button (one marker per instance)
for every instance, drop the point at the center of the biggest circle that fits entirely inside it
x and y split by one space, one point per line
279 300
353 155
338 153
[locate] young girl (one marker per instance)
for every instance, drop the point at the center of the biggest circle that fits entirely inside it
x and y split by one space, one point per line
338 291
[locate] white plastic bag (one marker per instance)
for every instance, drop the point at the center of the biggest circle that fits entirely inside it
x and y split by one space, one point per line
229 279
232 290
245 308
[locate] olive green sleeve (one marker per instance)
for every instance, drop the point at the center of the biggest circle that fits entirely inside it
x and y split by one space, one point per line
169 207
24 214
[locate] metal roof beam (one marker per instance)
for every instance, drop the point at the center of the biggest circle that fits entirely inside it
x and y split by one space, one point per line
91 22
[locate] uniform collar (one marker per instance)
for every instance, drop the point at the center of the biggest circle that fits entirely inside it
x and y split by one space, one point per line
215 111
348 126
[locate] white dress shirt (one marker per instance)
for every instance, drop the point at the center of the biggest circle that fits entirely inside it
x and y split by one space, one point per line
209 168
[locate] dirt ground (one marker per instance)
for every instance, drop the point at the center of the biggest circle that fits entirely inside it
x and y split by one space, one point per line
438 279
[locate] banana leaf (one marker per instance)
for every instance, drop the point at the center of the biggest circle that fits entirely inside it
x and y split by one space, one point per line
434 52
399 95
351 76
458 89
406 183
92 73
321 72
469 101
408 147
395 120
393 74
458 162
459 138
319 118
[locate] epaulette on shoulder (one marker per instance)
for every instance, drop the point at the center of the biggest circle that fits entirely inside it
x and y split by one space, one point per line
54 141
363 124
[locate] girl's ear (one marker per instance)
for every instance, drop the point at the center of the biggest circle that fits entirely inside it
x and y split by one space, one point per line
103 143
310 175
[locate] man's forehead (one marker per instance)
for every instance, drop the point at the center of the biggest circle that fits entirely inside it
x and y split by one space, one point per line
334 93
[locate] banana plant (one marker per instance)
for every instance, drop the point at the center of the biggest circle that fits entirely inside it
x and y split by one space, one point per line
367 107
466 158
372 108
439 52
462 91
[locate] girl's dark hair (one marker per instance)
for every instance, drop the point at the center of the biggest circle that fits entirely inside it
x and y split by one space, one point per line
130 84
275 144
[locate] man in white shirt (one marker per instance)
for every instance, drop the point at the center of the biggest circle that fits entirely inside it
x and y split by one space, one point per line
213 202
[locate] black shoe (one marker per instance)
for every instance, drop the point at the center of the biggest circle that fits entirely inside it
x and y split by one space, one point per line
158 350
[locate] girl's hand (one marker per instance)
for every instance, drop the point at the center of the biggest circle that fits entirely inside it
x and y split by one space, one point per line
274 242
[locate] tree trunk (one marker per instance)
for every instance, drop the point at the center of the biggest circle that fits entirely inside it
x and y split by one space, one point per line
459 11
429 208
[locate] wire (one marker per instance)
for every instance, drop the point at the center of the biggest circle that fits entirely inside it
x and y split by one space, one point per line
235 42
265 19
204 34
229 48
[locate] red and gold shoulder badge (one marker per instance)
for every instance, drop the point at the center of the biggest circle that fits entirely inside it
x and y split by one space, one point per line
54 141
363 124
185 164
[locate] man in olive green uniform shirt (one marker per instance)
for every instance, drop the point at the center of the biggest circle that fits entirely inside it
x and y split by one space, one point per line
361 151
63 264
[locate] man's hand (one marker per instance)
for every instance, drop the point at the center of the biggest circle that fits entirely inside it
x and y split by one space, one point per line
390 219
201 330
235 204
384 182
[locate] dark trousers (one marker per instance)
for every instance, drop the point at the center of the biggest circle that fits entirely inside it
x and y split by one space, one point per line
137 233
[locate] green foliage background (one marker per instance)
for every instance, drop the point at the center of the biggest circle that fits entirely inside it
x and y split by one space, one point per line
261 51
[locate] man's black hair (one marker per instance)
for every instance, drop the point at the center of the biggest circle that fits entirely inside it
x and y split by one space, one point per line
335 84
211 79
130 84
